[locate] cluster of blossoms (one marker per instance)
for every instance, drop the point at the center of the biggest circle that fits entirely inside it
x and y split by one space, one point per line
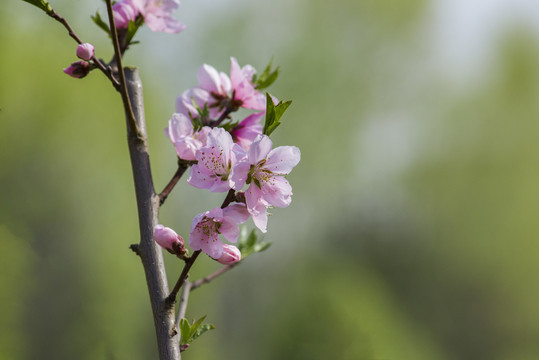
157 14
80 69
229 157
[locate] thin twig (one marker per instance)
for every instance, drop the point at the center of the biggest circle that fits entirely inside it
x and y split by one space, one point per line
53 14
182 306
207 279
230 196
172 297
123 88
182 166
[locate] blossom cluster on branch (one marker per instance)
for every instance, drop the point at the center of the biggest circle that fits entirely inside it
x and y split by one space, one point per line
229 155
224 154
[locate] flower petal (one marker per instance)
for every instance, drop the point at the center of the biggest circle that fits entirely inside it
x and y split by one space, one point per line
259 149
282 160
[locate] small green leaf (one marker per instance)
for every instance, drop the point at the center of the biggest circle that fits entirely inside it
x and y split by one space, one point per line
132 29
99 22
267 77
185 330
274 114
261 247
42 4
201 330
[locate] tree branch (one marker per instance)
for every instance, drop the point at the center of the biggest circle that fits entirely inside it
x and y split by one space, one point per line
53 14
182 166
182 306
207 279
148 207
171 299
123 88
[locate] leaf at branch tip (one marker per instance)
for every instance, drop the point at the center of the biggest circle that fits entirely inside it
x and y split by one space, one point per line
185 329
99 22
249 243
274 114
42 4
191 332
267 77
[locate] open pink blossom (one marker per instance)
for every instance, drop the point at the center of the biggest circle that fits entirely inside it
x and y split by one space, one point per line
124 11
231 255
206 228
247 130
157 14
243 88
267 184
216 162
186 141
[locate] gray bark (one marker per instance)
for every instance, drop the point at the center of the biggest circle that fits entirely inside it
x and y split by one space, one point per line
148 208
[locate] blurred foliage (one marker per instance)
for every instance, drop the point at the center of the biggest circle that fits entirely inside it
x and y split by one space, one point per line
412 232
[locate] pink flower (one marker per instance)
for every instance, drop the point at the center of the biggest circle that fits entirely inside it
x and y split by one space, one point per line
157 14
85 51
169 240
124 11
247 130
231 255
184 103
219 92
207 226
267 185
212 81
78 69
216 163
185 139
243 88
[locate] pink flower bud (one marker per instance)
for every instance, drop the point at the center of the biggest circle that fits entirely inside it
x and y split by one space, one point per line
85 51
169 240
78 69
231 255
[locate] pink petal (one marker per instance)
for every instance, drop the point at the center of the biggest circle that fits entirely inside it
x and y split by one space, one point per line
259 149
209 79
252 196
237 213
282 160
277 191
230 230
179 126
199 178
260 216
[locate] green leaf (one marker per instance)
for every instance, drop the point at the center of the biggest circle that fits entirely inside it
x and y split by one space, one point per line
201 330
261 247
99 22
267 77
42 4
274 114
185 331
191 332
132 29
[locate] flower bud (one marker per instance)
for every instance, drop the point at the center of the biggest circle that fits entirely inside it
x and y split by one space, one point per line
85 51
78 69
231 255
169 240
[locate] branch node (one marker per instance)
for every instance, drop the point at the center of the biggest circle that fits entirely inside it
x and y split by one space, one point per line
135 249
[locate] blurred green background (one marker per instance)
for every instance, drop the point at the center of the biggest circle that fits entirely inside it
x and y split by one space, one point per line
412 231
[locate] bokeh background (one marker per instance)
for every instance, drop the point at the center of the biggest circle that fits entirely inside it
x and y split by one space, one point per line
412 233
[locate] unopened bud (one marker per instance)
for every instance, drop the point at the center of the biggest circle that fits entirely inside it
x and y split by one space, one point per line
85 51
169 240
124 12
231 255
78 69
